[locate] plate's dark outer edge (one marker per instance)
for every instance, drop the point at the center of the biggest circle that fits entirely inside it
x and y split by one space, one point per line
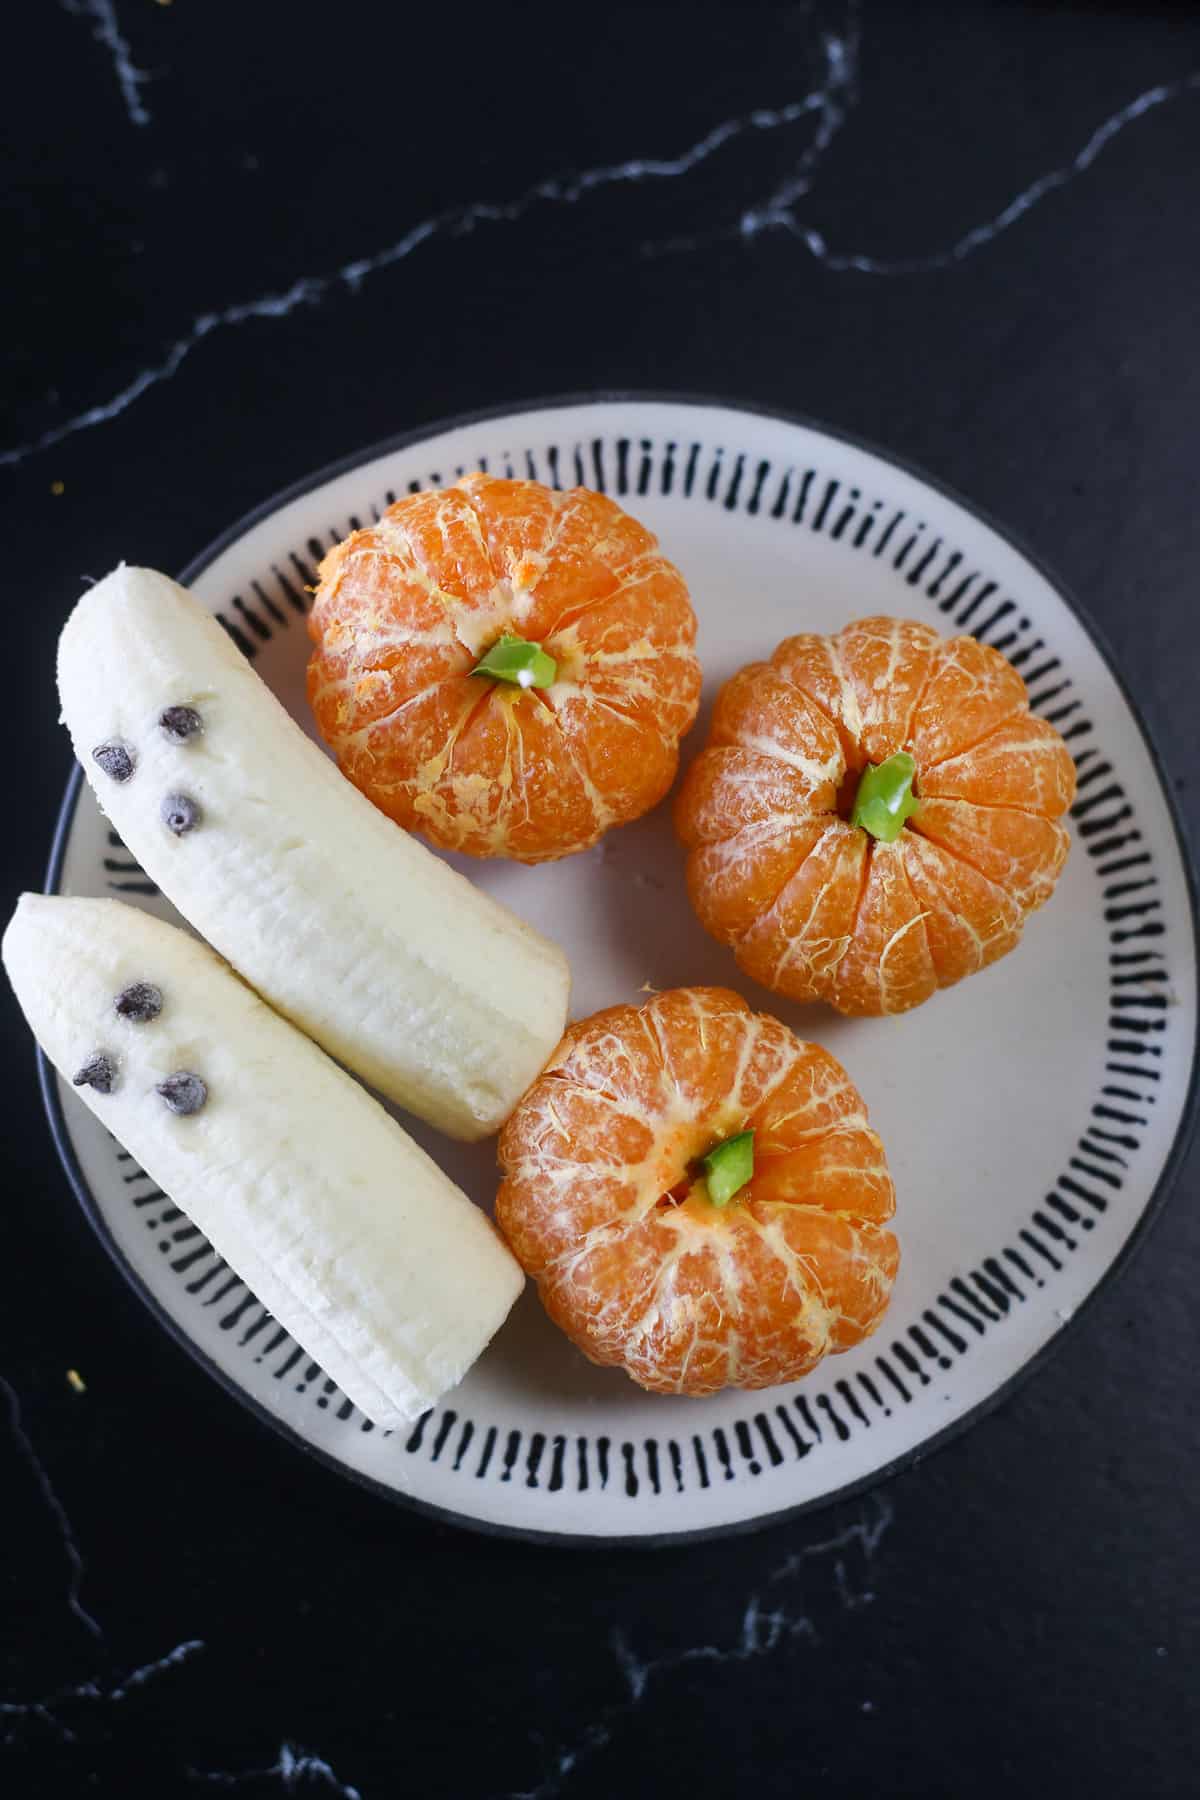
655 1540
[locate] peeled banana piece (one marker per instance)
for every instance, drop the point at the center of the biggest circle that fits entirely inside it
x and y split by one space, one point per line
379 1267
435 994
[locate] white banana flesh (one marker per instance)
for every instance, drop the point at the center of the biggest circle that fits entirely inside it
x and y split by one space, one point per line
435 994
379 1267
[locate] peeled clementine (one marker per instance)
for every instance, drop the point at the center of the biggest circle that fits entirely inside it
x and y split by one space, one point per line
583 731
607 1204
815 905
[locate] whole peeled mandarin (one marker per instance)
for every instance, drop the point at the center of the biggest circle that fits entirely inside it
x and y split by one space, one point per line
874 815
646 1263
504 667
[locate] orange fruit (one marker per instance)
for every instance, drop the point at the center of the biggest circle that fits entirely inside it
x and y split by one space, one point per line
407 608
604 1203
815 906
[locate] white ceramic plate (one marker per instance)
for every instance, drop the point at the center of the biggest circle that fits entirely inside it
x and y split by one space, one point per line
1031 1115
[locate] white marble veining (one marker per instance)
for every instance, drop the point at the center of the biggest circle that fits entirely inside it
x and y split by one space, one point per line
866 1533
20 1716
773 1616
107 31
776 214
454 222
827 105
23 1721
48 1712
769 1621
55 1507
830 102
568 189
836 95
296 1770
561 1764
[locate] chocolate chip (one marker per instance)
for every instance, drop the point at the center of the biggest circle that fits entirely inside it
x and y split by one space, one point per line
182 1092
99 1072
141 1002
180 813
179 723
115 758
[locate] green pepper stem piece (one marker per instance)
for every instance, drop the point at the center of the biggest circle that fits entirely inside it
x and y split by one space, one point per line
515 659
729 1167
885 799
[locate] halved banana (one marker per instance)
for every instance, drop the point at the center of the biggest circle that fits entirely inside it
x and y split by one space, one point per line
345 1230
432 992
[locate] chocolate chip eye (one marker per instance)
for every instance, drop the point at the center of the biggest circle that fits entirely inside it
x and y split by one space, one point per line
182 1092
180 813
115 758
99 1072
179 723
141 1002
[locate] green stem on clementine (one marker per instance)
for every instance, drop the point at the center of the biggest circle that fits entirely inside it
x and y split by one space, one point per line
515 659
885 799
729 1167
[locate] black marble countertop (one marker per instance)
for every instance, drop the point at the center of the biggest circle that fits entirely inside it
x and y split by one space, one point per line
244 240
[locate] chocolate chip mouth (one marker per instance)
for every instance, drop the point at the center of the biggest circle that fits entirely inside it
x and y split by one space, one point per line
141 1002
184 1093
179 723
115 758
99 1072
180 813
